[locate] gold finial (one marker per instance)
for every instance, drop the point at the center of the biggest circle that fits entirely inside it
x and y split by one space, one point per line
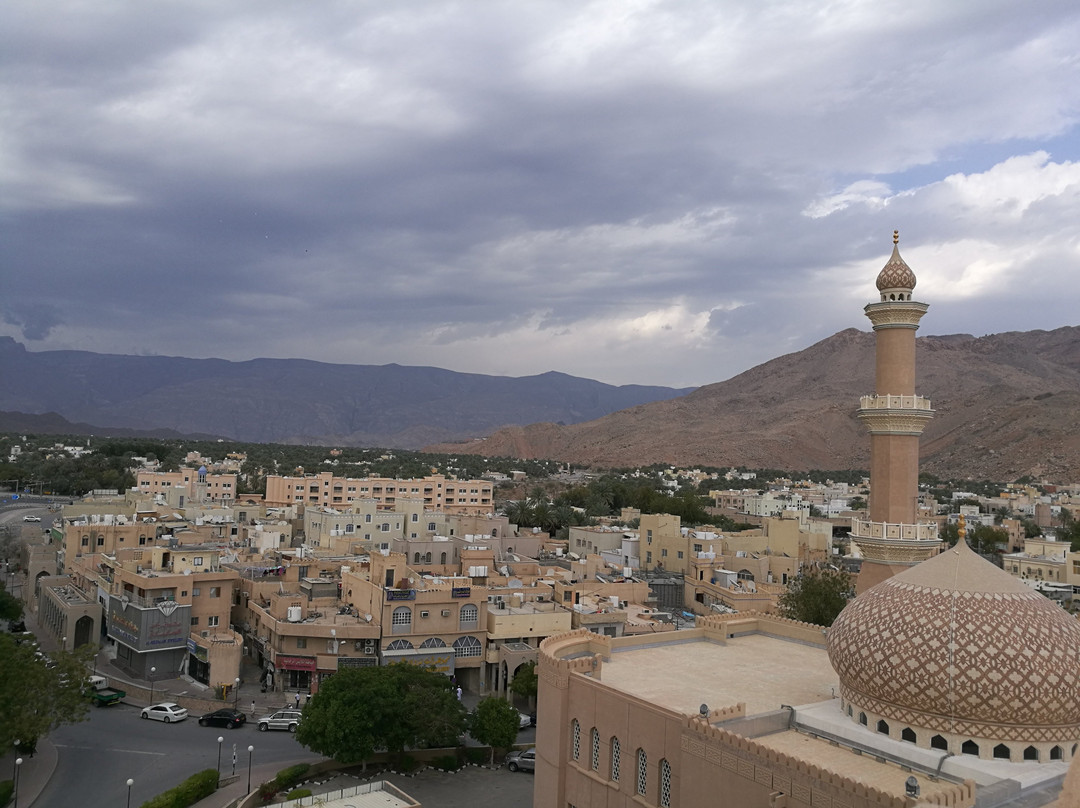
895 236
961 530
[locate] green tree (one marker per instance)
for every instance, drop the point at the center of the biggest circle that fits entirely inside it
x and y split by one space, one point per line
495 723
395 707
38 694
525 681
817 595
857 504
11 608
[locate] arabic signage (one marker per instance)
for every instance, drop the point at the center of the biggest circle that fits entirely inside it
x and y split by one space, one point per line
461 592
401 594
149 628
295 663
440 660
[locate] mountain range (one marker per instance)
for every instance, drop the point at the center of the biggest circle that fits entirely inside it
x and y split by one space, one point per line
286 400
1007 405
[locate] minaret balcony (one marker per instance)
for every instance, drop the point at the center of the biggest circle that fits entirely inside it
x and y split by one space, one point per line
890 402
895 415
894 531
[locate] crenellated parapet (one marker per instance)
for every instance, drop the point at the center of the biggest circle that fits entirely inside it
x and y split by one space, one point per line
806 782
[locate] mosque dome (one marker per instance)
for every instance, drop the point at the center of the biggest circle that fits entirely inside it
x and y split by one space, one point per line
957 646
896 274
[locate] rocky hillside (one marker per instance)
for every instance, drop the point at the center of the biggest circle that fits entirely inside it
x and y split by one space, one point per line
1007 405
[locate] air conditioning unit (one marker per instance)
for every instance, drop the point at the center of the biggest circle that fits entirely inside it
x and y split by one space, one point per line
204 633
445 612
369 650
424 613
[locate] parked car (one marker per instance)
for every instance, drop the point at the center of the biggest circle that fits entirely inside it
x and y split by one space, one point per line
522 761
524 721
282 719
31 518
167 711
227 717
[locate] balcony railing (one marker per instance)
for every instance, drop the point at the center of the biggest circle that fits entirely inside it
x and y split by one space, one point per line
894 402
862 529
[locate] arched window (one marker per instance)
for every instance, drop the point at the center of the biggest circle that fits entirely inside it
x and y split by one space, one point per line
427 558
401 620
938 742
575 739
468 647
469 616
1002 752
416 558
432 642
908 734
1031 753
1056 752
883 727
594 749
862 719
642 771
399 645
849 711
442 558
615 759
970 748
665 783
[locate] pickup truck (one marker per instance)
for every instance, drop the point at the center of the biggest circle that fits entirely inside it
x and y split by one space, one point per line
102 695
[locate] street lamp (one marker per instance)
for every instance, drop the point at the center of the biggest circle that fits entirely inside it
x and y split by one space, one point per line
130 783
153 670
219 740
18 764
250 750
236 692
13 769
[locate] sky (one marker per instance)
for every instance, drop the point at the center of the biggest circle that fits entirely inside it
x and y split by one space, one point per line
636 192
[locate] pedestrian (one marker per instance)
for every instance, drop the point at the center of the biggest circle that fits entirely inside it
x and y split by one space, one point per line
297 699
459 694
253 708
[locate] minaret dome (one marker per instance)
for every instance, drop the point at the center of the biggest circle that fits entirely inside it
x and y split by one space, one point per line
896 280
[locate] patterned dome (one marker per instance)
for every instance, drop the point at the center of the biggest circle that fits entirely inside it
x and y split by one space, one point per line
956 645
896 274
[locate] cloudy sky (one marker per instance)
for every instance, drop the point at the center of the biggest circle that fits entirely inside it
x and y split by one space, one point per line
631 191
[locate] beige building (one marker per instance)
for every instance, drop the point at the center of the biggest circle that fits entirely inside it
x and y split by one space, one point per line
438 493
196 485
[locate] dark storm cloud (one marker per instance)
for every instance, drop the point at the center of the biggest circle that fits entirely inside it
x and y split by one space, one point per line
498 187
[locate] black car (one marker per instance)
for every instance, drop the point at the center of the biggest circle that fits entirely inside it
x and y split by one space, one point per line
231 719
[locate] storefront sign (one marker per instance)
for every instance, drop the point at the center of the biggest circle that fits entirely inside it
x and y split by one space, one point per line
401 594
295 663
461 592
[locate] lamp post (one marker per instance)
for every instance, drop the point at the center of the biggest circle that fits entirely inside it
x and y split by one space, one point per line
236 692
13 769
251 749
130 783
219 740
18 765
153 670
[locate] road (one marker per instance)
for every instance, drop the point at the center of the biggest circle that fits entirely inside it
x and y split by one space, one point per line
96 757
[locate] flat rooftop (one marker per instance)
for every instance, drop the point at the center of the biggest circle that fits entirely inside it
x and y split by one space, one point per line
764 672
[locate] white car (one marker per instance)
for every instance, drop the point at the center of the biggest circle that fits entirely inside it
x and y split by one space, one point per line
524 721
31 518
166 711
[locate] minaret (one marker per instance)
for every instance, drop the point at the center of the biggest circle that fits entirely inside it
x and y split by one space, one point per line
893 539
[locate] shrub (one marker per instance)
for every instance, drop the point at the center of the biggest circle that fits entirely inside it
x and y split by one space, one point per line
447 763
198 786
7 788
298 793
477 755
407 764
286 778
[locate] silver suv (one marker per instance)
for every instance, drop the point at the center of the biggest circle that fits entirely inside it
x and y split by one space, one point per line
522 761
282 719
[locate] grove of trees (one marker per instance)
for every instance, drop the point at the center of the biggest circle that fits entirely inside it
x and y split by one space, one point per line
817 595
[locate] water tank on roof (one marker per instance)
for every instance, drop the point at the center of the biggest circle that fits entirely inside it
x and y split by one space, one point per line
294 614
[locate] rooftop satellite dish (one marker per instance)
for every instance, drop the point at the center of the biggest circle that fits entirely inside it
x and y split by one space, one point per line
704 710
367 617
911 787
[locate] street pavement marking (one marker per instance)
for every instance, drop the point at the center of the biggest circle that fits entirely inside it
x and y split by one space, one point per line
125 751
